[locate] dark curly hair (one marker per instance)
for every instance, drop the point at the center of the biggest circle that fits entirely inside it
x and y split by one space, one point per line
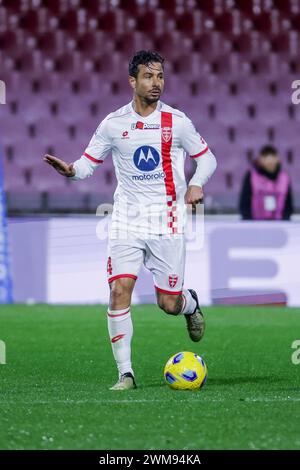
268 150
143 58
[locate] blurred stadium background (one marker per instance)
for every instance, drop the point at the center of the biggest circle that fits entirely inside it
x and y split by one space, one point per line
229 65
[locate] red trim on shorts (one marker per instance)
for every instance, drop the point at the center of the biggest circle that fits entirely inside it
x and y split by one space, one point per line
92 158
122 275
200 153
118 314
168 291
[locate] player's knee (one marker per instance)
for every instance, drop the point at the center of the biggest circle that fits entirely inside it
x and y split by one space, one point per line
119 293
169 306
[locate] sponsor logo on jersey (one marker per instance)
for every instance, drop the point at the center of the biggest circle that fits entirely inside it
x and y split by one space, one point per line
146 158
125 135
173 278
166 133
144 126
149 176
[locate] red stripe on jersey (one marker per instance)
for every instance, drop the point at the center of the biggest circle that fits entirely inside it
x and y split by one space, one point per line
92 158
122 275
200 153
166 122
168 291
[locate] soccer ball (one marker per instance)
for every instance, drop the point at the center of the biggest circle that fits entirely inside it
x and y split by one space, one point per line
185 371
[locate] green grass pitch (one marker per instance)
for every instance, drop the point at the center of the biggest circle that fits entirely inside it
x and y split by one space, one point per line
54 387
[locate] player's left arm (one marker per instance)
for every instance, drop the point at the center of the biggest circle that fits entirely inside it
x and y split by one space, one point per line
198 149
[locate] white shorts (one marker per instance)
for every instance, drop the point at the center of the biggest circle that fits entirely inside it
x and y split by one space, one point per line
164 257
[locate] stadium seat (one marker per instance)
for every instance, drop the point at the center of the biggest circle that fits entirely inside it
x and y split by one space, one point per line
34 21
212 44
52 42
15 5
229 22
56 7
284 6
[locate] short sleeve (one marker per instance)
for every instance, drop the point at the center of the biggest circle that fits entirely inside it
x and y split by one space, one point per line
100 144
191 140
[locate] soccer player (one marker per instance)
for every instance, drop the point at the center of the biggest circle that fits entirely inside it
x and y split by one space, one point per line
148 140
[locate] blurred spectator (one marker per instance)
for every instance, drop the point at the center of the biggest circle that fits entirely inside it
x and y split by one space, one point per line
266 191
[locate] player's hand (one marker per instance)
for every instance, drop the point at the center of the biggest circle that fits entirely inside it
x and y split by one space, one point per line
193 195
65 169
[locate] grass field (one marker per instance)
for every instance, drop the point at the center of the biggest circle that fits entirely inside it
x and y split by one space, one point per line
54 388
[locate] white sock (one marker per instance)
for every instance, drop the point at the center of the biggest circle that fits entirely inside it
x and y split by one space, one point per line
120 332
189 304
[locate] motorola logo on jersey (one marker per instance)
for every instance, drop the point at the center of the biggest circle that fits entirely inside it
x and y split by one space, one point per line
146 158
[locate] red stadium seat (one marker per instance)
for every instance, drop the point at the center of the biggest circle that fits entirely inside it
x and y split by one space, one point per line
130 6
34 20
92 6
267 22
146 22
68 62
185 22
229 22
210 6
251 44
249 7
108 22
52 42
8 40
56 7
212 44
287 43
169 5
15 5
284 6
130 42
173 44
296 22
69 21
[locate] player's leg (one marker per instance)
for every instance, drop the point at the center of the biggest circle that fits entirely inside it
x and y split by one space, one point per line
166 259
124 262
187 304
121 329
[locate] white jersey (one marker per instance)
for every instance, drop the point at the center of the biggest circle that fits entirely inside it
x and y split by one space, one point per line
148 155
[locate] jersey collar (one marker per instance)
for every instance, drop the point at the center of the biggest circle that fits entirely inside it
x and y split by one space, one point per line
157 109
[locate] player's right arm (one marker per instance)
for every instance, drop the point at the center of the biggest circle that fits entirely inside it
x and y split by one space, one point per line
93 156
63 168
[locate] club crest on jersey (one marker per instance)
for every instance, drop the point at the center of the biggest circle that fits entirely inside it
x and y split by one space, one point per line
173 278
146 158
166 133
